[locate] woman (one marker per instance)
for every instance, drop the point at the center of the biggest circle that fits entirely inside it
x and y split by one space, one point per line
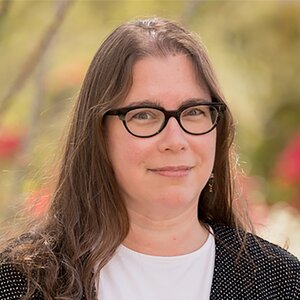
143 207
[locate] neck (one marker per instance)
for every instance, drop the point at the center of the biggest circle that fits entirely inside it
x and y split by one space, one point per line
173 236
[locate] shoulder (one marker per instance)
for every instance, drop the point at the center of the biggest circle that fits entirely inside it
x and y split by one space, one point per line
12 283
256 247
252 259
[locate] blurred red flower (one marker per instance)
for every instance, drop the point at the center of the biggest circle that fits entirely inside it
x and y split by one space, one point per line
10 144
37 201
288 164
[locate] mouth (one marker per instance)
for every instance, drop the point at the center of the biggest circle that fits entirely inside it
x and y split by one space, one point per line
172 171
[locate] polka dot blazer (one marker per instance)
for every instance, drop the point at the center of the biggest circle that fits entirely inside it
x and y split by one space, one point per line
253 270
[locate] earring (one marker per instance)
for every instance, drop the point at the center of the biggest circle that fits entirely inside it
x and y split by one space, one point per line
211 182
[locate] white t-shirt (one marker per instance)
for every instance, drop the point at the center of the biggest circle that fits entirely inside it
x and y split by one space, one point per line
131 275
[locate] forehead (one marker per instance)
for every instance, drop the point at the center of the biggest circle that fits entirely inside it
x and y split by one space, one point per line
168 81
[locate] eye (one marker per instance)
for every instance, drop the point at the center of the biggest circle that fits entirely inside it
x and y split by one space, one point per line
143 114
193 111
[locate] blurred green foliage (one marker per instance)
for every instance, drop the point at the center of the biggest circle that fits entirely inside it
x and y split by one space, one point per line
254 46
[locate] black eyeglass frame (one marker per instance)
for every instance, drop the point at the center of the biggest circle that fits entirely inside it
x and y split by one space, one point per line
121 113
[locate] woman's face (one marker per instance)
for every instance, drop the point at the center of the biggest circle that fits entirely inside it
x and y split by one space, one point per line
163 175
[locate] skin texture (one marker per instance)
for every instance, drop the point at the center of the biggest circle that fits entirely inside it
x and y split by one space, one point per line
161 177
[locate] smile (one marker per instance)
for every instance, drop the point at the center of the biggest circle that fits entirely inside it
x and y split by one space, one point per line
170 171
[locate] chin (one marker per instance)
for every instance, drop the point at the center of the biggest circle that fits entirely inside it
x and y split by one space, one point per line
175 198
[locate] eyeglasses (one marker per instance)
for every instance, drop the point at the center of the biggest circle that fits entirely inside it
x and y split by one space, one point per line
146 121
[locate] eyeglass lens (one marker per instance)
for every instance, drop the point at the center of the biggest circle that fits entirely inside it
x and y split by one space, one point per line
148 121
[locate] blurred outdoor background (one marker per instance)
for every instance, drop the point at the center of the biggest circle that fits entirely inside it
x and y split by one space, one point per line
46 47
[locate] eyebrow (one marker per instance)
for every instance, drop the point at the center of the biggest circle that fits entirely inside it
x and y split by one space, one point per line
157 104
144 103
195 100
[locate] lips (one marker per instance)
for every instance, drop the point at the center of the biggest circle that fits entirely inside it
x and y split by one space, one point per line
172 171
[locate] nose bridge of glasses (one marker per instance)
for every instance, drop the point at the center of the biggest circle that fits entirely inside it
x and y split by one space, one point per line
171 114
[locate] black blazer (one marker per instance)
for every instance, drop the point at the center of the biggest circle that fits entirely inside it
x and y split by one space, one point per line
252 270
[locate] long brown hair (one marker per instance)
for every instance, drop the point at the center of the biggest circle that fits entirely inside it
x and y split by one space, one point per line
87 219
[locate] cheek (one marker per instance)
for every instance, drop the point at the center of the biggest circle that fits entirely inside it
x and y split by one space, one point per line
129 165
212 149
125 154
205 148
213 143
125 151
212 139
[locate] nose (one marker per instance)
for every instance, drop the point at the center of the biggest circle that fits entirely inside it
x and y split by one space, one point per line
172 138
